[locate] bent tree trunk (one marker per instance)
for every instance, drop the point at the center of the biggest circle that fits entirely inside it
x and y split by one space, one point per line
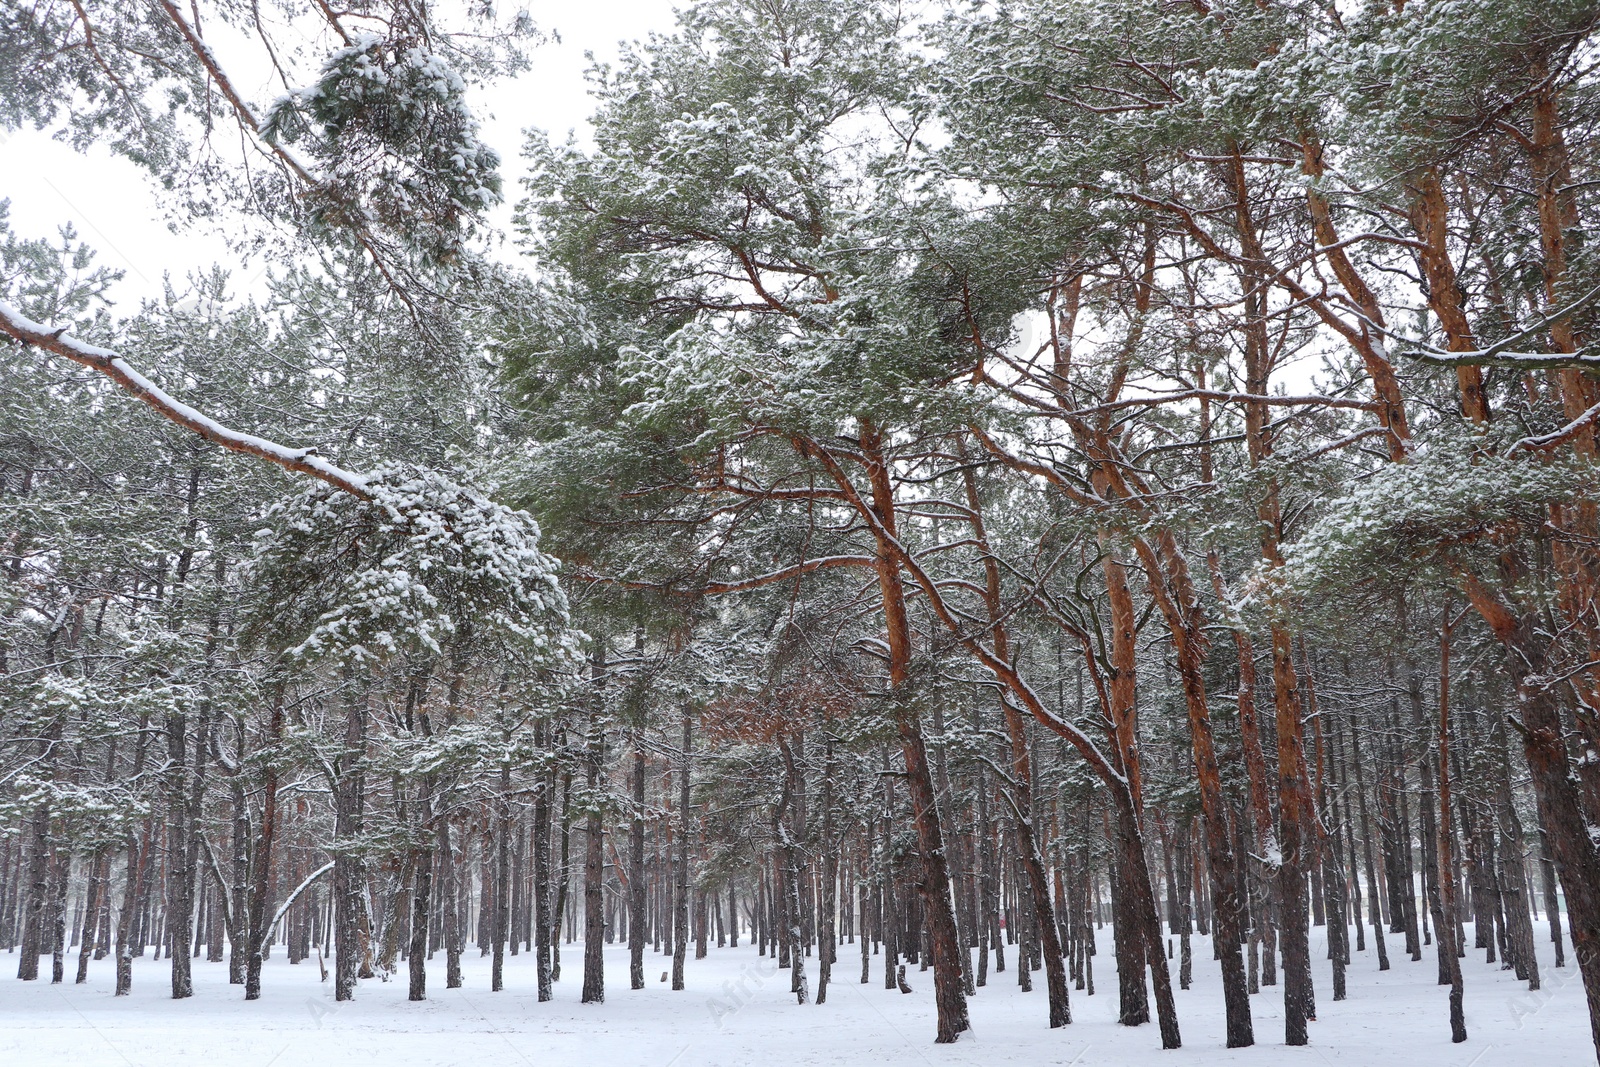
1021 792
1146 919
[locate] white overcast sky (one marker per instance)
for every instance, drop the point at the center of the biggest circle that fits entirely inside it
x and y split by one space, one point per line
113 205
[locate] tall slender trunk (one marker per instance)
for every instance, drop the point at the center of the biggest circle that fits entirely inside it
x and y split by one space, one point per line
450 911
636 885
1375 913
500 921
1445 923
98 885
36 888
349 880
138 860
1021 788
594 919
421 901
239 890
1174 592
541 868
827 937
793 938
1330 844
949 995
260 904
680 880
180 870
1552 908
1127 926
36 906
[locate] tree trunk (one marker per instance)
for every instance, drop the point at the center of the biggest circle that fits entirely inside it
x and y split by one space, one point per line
180 871
138 858
636 887
594 921
261 863
348 876
1445 923
680 880
949 996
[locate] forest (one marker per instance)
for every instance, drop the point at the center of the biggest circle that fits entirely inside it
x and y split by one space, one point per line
962 495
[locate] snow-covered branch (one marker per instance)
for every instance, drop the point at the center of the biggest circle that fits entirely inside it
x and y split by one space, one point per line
1504 353
283 909
1561 436
107 362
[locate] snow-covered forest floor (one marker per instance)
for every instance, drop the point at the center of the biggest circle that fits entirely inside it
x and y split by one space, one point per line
736 1009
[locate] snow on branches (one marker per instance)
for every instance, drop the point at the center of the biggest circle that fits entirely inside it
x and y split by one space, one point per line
425 565
398 146
1451 499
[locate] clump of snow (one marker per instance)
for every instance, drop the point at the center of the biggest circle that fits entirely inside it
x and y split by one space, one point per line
423 564
395 143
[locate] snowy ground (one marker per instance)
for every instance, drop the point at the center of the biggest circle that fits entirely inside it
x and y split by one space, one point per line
1394 1018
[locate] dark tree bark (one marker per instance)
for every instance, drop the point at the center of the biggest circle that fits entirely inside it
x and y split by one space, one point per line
680 861
501 920
541 868
98 885
1375 911
1560 807
261 862
180 870
239 890
792 933
450 911
349 879
1294 816
1445 923
827 936
138 859
636 885
1179 602
949 996
36 917
422 856
594 922
36 890
1552 908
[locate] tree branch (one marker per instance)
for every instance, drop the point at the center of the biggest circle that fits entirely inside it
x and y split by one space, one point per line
107 362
